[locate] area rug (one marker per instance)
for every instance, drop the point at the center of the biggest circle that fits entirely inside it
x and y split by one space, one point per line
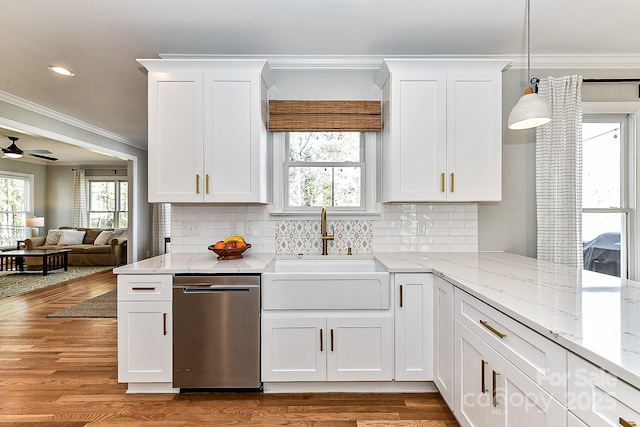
14 283
105 305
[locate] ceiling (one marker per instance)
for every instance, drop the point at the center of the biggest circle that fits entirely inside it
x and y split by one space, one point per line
100 40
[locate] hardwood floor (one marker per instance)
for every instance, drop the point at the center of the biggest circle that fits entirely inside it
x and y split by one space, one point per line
63 372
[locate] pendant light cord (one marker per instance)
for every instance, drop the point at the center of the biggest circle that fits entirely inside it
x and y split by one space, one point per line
529 41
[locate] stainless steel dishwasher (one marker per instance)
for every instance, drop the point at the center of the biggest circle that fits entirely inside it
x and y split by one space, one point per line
216 331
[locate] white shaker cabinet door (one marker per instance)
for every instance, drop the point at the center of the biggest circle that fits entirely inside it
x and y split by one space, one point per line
360 348
414 327
145 343
294 349
443 300
474 135
235 137
175 137
414 140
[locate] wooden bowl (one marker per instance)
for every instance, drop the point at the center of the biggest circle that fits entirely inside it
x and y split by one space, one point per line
225 254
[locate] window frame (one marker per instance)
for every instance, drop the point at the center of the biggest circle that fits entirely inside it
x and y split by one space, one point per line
29 198
117 204
280 184
630 191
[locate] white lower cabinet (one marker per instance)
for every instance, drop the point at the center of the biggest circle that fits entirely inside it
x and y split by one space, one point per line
144 342
413 327
326 348
599 398
443 342
490 391
145 339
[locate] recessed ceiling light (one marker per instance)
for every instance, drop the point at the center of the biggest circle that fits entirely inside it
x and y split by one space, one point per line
61 70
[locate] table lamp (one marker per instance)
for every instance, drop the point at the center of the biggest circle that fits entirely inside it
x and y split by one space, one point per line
34 223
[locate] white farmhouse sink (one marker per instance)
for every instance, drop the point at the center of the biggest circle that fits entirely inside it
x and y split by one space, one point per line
325 283
328 265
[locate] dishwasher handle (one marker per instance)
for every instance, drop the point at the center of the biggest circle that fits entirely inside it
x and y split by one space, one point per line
216 289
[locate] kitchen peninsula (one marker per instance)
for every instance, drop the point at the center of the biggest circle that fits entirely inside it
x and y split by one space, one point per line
593 316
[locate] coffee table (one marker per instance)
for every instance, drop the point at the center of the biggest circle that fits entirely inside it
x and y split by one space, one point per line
52 259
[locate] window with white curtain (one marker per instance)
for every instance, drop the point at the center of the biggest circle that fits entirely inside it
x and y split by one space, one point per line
607 188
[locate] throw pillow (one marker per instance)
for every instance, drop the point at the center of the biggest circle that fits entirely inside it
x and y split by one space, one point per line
118 232
53 237
103 238
91 236
71 237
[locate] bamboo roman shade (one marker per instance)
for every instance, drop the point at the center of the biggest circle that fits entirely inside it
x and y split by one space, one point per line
327 116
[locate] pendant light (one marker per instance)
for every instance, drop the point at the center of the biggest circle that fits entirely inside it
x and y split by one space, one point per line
531 110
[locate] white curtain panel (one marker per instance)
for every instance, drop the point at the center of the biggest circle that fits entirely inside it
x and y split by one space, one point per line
79 218
161 227
559 173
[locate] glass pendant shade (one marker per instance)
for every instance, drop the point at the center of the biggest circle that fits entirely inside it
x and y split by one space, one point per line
531 111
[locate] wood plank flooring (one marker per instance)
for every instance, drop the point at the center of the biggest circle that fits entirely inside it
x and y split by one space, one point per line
63 372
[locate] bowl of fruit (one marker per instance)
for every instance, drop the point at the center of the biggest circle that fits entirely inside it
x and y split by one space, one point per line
230 248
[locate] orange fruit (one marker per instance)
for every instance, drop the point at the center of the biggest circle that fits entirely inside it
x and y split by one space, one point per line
219 245
241 244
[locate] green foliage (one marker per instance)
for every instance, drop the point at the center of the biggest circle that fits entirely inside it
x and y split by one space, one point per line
316 177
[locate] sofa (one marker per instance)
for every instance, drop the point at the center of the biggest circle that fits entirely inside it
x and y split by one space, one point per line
89 246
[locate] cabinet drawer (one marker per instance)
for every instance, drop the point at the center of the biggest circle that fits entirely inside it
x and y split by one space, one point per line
599 398
144 287
539 358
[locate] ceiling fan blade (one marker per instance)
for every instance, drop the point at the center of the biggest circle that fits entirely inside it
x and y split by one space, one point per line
53 159
43 152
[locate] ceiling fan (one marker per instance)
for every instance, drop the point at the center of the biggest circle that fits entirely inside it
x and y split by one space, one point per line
13 152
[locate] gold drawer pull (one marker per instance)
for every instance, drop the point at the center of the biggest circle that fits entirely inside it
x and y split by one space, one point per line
453 182
442 182
143 288
321 341
482 365
494 392
400 296
626 423
206 183
197 184
492 329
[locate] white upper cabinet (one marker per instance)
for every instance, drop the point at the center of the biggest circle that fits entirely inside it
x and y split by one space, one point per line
207 130
442 130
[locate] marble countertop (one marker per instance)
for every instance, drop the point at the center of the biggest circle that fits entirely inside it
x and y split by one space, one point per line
593 315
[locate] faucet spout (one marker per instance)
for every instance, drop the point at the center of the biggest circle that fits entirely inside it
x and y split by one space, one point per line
323 231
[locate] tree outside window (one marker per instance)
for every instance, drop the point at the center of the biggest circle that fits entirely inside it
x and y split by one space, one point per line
108 204
325 169
14 206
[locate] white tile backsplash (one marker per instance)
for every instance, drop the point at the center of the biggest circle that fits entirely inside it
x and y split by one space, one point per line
437 227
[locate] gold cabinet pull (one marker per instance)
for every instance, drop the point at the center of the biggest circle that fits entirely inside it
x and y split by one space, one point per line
164 323
321 341
331 339
453 182
482 365
494 391
400 296
626 423
442 182
197 184
492 329
206 183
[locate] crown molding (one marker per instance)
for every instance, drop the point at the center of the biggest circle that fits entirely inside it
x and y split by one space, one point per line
374 62
592 62
47 112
